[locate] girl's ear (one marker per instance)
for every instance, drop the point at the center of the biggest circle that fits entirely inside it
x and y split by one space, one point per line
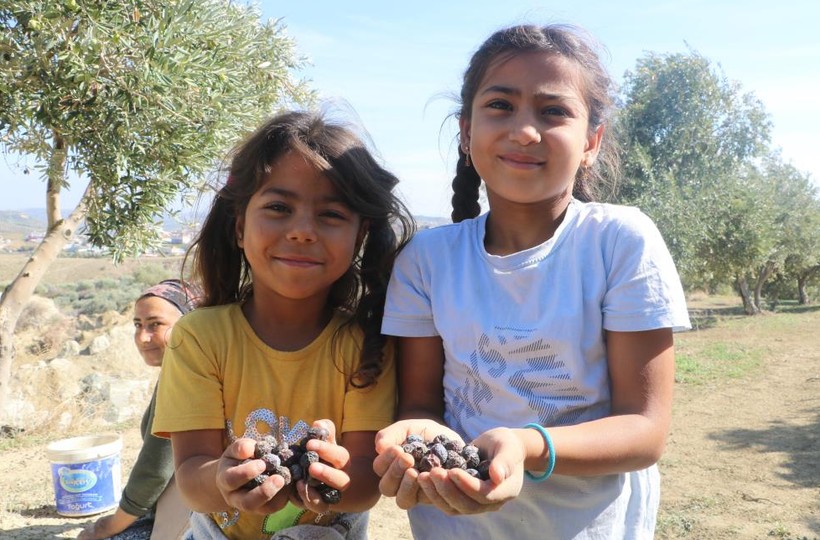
593 146
240 232
464 134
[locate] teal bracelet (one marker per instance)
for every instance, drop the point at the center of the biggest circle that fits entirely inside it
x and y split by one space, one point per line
550 448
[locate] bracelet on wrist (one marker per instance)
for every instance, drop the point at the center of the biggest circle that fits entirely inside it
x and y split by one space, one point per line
550 458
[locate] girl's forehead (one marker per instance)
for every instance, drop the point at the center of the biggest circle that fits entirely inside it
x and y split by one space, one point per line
297 174
517 68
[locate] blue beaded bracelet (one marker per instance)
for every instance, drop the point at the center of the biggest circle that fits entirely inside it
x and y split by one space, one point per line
550 448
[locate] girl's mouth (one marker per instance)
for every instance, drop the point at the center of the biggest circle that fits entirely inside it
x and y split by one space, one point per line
521 161
302 262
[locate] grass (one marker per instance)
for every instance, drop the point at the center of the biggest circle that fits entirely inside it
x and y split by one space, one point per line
784 534
726 344
680 522
709 362
74 269
43 435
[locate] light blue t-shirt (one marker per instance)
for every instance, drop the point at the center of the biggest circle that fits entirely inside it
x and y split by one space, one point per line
523 338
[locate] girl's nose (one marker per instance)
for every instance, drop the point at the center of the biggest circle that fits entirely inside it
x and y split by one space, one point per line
524 130
303 229
143 335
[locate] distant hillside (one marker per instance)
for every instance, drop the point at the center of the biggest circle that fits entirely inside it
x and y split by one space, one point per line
22 222
28 220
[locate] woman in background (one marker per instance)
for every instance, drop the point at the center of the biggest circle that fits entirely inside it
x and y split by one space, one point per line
150 506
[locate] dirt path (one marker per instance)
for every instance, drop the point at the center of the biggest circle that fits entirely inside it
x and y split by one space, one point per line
743 460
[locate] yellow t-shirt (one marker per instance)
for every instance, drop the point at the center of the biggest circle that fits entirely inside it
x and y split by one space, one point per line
218 374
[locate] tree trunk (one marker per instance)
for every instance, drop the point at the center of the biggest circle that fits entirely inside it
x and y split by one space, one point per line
742 285
763 275
18 293
803 279
802 293
56 177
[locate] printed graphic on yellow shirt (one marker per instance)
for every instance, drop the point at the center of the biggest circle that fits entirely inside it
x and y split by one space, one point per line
263 422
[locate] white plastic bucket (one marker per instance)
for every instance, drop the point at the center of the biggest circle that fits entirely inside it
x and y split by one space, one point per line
86 473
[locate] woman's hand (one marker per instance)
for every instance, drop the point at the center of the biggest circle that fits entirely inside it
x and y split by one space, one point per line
455 492
331 470
395 467
233 474
107 526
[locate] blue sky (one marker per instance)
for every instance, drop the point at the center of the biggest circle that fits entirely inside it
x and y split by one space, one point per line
393 66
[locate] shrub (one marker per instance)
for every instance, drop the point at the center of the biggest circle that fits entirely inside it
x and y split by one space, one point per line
152 273
93 297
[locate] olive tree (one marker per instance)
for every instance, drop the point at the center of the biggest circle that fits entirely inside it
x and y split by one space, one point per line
136 98
691 139
798 225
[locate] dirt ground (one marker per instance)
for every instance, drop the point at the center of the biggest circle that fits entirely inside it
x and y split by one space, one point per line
743 460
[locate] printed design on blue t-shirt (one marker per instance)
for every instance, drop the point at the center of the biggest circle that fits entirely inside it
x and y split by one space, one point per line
468 397
549 391
529 367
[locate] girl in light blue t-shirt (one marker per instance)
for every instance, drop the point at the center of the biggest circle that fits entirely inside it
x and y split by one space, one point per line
541 330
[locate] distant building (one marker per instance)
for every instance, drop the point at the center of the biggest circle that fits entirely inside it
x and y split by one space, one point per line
181 237
35 237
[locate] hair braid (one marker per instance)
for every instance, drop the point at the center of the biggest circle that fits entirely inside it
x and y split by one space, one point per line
466 184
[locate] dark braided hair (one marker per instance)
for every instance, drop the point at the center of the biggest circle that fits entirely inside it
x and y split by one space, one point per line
569 42
363 185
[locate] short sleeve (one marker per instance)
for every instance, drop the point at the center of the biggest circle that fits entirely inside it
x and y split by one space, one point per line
189 395
644 291
373 407
408 309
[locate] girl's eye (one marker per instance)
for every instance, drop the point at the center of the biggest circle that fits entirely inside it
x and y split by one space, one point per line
334 214
499 104
277 207
555 111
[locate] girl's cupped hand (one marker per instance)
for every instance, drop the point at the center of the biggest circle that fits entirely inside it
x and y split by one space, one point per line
236 468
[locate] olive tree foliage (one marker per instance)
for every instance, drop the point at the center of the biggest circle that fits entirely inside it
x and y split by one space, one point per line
742 246
692 140
139 99
797 223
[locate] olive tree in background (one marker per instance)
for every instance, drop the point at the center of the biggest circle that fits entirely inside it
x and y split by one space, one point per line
139 99
798 226
698 160
691 141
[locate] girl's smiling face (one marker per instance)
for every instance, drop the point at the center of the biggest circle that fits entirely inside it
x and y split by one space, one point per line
298 236
528 130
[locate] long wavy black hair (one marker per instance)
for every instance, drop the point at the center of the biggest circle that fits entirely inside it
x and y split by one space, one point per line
219 265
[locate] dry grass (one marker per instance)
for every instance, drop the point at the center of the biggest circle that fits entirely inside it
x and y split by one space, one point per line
743 460
74 269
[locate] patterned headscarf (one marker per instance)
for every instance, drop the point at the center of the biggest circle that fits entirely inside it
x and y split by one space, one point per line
180 294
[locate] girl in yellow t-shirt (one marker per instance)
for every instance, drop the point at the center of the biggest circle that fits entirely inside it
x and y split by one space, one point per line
294 259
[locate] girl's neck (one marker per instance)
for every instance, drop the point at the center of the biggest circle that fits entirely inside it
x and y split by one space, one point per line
284 324
513 227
